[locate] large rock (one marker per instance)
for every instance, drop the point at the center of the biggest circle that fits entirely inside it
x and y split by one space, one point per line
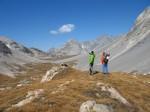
113 93
91 106
102 108
87 106
50 74
30 97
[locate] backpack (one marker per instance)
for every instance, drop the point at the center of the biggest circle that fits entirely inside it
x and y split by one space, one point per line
106 59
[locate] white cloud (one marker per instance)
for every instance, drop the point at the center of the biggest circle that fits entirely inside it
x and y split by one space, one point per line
66 28
63 29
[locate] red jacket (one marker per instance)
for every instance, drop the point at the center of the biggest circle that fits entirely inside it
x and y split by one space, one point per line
102 58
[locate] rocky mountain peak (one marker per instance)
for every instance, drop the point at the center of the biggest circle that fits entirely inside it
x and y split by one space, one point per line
143 16
4 49
6 40
14 45
73 41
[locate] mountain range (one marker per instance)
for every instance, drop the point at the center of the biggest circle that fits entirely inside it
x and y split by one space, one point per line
14 55
129 52
74 48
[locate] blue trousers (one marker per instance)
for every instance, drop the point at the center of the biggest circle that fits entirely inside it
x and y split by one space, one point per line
105 68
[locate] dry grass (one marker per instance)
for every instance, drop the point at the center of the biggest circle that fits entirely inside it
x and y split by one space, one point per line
5 79
134 89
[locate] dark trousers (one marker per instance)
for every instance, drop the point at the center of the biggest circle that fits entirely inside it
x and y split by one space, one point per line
91 68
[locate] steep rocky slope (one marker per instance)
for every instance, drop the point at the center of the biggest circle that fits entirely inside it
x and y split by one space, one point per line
133 50
39 53
14 55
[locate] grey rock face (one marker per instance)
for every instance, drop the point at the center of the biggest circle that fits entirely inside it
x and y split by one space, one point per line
131 53
38 53
71 48
14 45
14 55
4 49
144 15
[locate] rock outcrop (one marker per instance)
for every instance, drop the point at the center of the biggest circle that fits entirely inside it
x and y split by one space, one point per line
31 95
113 93
50 74
92 106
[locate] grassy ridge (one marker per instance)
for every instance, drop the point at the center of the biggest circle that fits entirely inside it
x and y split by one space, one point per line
135 88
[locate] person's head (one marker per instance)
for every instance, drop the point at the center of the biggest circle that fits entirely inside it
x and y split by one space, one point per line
108 54
92 52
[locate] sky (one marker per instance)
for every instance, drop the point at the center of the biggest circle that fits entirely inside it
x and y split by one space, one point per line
44 24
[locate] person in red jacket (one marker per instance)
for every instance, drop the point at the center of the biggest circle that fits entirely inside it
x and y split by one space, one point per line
102 58
104 62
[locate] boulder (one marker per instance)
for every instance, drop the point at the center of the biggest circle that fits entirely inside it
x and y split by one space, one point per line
102 108
91 106
31 95
113 93
87 106
50 74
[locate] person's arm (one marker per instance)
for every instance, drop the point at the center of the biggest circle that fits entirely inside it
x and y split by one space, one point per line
101 59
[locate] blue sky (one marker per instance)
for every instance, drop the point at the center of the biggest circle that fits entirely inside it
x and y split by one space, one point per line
50 23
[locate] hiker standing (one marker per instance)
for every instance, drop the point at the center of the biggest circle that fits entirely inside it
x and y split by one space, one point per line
104 61
91 61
